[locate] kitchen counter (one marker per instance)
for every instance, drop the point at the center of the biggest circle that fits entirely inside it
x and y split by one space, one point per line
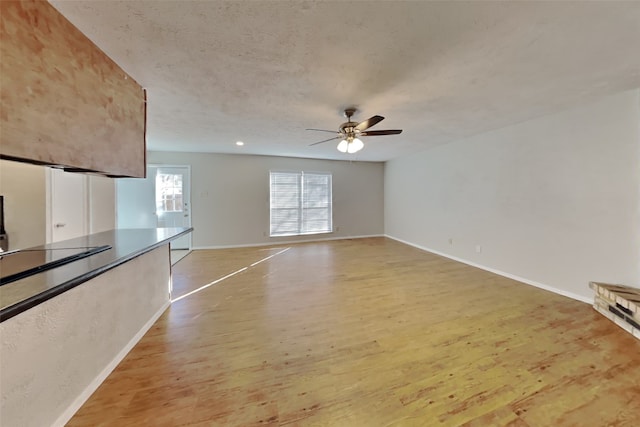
126 244
65 329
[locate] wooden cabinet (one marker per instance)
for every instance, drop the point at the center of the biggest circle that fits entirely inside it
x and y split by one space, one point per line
64 102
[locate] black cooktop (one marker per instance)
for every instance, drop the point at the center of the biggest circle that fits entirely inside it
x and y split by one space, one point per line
24 263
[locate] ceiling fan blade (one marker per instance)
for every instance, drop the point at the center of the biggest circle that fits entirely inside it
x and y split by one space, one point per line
326 140
382 132
323 130
369 122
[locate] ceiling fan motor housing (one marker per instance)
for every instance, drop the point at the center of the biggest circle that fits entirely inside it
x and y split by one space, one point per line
348 128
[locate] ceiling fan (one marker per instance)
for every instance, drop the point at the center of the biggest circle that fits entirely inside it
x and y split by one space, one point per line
349 132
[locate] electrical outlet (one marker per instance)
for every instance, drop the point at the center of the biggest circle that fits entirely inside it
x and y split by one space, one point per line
450 240
336 229
478 248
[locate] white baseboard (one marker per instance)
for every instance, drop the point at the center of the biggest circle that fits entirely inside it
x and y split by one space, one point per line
285 242
500 273
93 386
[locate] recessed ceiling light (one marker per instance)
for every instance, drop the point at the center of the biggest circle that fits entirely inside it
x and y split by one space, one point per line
239 143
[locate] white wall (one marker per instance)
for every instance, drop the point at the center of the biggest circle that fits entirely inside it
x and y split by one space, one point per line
136 201
554 201
24 188
102 204
230 196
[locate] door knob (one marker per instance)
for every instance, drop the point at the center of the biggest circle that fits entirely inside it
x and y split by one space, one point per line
60 224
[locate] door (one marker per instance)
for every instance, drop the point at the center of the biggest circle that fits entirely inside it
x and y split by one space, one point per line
173 204
159 200
68 205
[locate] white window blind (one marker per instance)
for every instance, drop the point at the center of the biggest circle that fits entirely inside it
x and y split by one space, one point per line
300 203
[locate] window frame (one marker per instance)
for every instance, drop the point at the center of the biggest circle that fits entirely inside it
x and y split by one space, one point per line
302 211
164 199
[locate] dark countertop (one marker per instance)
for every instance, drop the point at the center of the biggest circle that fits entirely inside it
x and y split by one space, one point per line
126 244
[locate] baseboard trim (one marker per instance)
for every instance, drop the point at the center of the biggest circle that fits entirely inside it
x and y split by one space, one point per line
285 242
93 386
498 272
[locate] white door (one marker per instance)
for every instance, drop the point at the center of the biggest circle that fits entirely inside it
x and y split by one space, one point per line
173 204
159 200
68 205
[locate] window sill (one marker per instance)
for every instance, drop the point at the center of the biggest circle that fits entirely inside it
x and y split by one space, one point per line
301 234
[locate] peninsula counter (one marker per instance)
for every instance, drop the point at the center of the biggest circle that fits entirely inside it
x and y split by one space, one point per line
64 330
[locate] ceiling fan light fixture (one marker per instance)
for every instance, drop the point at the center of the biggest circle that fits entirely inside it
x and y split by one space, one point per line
349 131
355 146
350 145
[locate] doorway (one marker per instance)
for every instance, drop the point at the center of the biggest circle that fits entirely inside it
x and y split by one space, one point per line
77 204
162 199
67 203
172 200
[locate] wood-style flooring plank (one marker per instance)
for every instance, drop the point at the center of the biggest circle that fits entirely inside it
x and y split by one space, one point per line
367 332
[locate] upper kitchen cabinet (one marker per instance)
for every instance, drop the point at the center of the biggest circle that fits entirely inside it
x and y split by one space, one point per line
64 102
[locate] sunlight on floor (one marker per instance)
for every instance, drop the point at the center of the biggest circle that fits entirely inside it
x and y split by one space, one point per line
227 276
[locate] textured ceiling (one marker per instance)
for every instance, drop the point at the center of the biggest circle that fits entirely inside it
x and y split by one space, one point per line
263 71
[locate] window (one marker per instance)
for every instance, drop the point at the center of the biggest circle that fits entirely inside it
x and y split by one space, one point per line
300 203
168 192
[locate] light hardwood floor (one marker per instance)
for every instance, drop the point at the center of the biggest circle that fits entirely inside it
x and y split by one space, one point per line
368 332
